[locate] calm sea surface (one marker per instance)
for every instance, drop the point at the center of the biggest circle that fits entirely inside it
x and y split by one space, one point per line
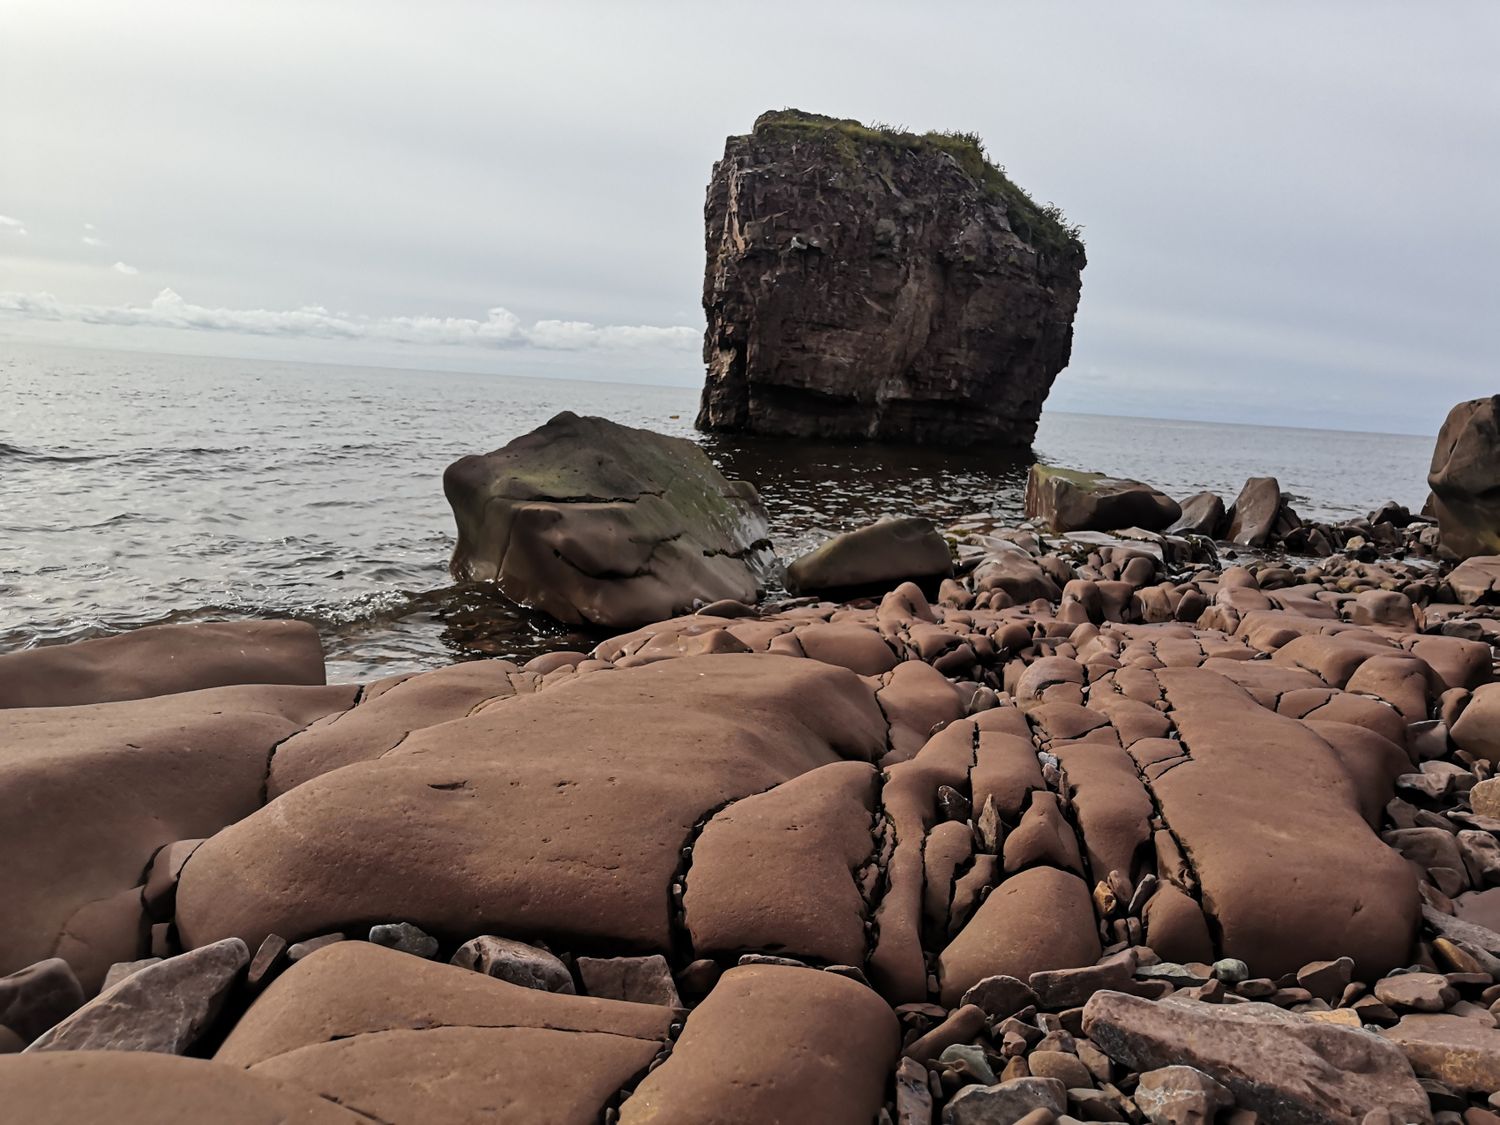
140 488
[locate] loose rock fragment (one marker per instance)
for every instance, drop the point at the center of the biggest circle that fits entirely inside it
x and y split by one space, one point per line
517 963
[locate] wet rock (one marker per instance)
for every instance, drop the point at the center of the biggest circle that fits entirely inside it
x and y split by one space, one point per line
38 996
923 301
591 521
641 980
1202 514
515 962
1252 518
882 554
1277 1063
404 938
1069 500
774 1044
1181 1095
162 660
165 1007
1005 1102
1462 1053
1465 478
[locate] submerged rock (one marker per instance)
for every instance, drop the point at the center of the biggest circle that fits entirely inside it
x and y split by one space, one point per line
1465 478
864 283
595 522
884 554
1069 500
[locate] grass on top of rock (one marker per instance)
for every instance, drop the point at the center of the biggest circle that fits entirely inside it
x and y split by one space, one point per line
1044 226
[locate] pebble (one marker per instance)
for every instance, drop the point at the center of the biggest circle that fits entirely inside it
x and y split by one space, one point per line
405 938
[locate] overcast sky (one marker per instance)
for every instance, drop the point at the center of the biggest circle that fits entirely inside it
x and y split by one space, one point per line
1290 208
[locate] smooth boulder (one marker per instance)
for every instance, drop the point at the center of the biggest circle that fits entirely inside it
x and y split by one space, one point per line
591 521
1465 479
1203 513
883 554
162 660
1252 518
1069 500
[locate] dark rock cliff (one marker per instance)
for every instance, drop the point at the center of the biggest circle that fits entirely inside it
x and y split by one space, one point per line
869 284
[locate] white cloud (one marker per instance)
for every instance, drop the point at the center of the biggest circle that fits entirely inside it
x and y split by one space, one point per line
88 226
90 240
499 329
121 267
12 224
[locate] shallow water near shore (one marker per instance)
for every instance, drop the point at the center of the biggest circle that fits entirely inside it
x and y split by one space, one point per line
139 488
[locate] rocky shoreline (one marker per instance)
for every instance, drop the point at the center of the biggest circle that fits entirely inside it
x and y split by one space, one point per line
1082 824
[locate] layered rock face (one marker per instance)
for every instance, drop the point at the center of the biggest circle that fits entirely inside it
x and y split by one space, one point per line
595 522
1465 478
865 284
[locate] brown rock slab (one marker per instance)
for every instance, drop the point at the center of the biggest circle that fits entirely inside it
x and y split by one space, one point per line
354 989
380 720
1477 730
1252 516
1013 1101
569 807
408 1077
164 1007
1043 836
193 762
1276 1063
1181 1095
885 554
1461 1053
1040 919
1068 500
1416 992
162 660
141 1088
775 871
772 1043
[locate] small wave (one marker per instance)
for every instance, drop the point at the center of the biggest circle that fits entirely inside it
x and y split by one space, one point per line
10 452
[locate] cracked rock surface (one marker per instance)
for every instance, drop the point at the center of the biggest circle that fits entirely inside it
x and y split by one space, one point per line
1104 826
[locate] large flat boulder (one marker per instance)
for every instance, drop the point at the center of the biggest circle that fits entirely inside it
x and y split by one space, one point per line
559 815
1280 1064
596 522
1465 479
773 1043
89 793
141 1088
162 660
409 1041
1069 500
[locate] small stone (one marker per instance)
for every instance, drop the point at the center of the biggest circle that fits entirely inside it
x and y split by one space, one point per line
969 1061
1371 1010
952 804
1326 979
644 980
1000 996
1066 1068
698 979
404 938
165 1007
312 945
122 969
1066 988
1484 798
853 972
913 1094
1179 976
267 961
514 962
1231 970
38 996
962 1026
1416 992
769 959
1005 1102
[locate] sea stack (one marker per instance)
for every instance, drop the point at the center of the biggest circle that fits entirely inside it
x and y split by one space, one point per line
866 283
